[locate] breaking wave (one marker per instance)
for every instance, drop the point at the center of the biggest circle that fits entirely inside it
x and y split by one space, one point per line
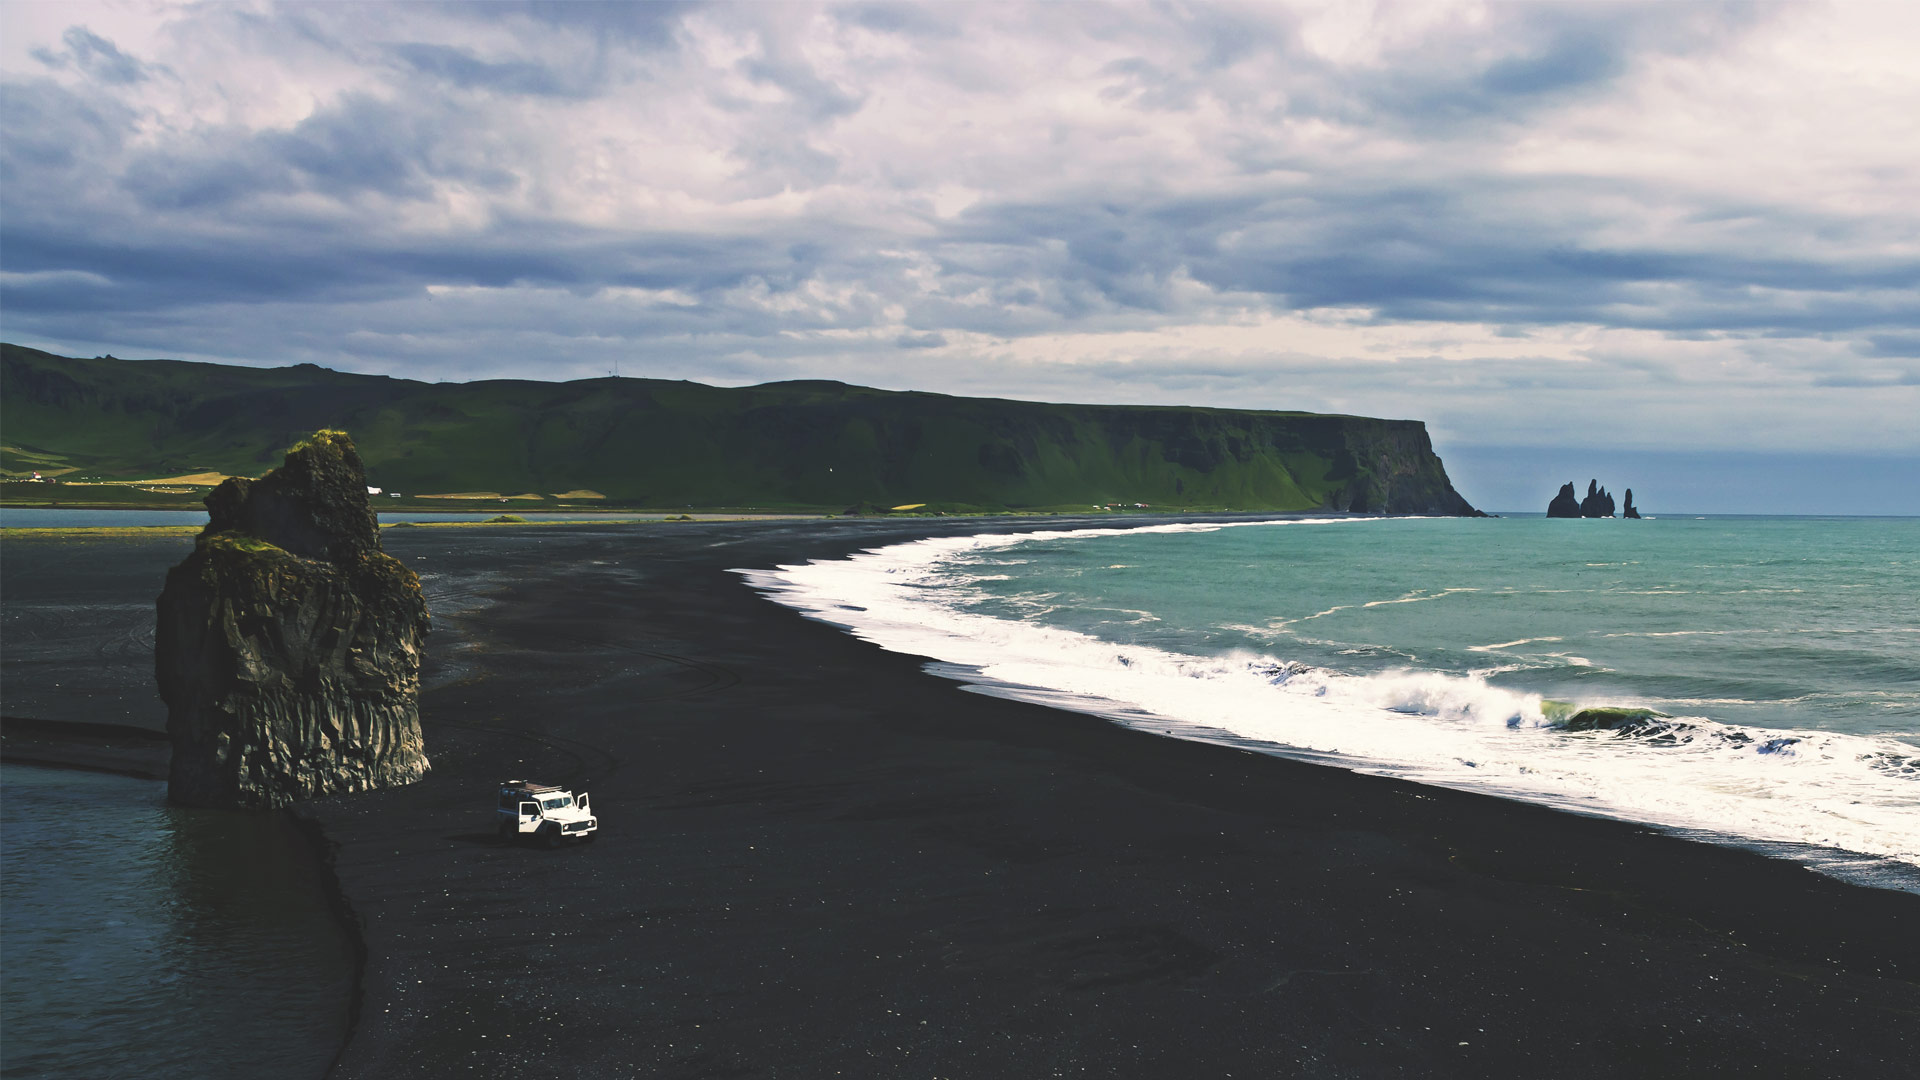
1845 803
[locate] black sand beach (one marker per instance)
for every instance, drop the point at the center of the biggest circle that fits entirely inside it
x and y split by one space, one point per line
818 860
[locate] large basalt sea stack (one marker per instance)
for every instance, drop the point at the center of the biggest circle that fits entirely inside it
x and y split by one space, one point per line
289 644
1597 504
1566 504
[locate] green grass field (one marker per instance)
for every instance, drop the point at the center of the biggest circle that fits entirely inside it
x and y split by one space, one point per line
681 445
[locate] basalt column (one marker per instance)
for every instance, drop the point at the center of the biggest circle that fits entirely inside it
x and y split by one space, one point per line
289 644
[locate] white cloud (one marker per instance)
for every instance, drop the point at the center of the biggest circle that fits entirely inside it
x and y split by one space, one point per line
1647 225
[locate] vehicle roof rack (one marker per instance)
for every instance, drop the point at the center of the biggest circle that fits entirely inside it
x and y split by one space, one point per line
531 789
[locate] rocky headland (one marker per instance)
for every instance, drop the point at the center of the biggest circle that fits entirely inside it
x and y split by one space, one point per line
289 645
807 445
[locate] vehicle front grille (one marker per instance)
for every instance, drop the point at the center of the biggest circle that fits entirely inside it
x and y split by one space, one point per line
578 826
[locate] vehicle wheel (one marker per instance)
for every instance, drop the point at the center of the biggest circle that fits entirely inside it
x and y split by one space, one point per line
549 836
509 832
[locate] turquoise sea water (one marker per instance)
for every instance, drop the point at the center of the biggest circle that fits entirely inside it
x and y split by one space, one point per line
1784 651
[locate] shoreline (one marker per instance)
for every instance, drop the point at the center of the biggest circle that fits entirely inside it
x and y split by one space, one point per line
321 850
817 855
803 831
883 596
119 749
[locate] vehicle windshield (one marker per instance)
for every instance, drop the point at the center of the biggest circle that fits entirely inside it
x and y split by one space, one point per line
556 802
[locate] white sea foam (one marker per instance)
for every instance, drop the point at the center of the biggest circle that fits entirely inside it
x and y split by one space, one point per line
1817 794
1509 644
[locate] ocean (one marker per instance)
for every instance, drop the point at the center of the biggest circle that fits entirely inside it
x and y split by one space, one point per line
142 939
1782 654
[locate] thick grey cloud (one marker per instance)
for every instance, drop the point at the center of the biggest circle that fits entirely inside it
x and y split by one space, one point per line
99 58
465 71
1657 223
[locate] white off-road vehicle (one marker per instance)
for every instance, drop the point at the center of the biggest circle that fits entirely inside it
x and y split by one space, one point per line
548 814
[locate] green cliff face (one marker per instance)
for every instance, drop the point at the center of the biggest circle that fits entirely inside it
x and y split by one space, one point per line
665 444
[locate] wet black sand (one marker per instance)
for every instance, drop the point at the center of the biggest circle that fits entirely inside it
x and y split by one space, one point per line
139 752
818 860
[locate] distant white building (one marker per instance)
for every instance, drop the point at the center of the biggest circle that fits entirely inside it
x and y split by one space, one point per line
373 490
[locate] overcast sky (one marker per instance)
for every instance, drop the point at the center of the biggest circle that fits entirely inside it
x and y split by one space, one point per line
1682 226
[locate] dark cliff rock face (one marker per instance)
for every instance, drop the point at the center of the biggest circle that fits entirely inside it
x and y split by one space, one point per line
1566 504
1597 504
1393 470
289 644
1630 511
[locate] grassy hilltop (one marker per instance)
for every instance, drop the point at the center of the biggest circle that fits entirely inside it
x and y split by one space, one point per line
656 443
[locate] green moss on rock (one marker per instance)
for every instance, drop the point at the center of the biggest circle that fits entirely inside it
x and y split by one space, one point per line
289 644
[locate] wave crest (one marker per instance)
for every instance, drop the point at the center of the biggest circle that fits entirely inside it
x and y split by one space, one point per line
1793 791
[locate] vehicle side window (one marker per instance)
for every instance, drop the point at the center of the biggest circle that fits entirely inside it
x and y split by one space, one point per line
529 808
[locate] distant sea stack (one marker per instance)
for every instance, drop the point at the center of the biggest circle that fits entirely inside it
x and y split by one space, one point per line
1597 504
289 644
1630 511
1566 504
